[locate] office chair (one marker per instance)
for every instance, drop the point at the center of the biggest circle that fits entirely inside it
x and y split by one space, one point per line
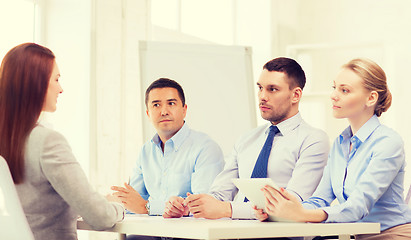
14 225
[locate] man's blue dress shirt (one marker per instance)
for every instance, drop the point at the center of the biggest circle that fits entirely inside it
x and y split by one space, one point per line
368 181
190 162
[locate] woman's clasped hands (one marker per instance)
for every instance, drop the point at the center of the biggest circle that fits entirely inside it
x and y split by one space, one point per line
281 204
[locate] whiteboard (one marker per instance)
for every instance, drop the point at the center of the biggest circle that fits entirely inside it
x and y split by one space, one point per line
217 82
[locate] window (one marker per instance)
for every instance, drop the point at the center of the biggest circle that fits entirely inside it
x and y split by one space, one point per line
227 22
211 20
18 18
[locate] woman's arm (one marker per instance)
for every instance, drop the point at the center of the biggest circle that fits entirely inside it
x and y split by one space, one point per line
69 181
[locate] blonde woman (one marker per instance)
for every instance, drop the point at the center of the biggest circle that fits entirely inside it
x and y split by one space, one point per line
365 170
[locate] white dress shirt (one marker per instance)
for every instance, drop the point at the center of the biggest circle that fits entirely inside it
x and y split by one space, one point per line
298 156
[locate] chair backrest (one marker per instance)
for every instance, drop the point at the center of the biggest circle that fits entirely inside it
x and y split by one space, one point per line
13 222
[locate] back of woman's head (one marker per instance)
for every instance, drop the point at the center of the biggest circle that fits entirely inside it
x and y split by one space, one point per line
374 79
24 77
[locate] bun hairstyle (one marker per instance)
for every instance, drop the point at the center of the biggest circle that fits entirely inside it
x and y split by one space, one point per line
374 79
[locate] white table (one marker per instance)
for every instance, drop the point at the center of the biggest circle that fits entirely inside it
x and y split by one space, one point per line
193 228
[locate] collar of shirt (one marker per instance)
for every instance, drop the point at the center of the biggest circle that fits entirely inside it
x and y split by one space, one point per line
346 138
177 140
287 125
363 133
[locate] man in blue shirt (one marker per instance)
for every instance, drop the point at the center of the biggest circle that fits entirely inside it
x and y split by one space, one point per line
176 161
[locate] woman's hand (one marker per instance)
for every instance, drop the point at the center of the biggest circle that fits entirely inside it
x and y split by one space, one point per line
282 204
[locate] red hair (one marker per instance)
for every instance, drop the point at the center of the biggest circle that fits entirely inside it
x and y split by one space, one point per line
24 77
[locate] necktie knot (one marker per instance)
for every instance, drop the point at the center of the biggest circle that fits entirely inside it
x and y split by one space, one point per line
274 130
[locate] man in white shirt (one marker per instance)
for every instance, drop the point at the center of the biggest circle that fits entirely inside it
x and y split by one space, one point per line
298 155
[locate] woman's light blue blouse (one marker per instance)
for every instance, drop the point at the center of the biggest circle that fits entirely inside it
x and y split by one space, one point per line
368 181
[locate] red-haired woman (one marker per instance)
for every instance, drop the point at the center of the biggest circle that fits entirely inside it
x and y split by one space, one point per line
52 187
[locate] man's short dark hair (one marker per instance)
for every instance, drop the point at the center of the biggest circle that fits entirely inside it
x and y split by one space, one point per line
290 67
166 83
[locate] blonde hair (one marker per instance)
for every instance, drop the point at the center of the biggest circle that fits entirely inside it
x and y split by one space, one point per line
374 79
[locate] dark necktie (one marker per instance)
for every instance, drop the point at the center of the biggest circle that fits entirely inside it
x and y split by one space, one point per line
260 168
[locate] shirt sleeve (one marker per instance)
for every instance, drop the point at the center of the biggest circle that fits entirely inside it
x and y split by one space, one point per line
137 180
209 163
156 207
323 195
223 187
242 210
386 160
68 179
310 164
